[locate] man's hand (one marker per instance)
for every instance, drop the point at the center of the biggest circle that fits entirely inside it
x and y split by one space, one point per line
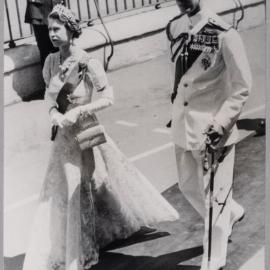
214 133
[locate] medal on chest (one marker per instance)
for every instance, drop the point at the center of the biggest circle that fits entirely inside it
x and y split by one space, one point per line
207 43
206 61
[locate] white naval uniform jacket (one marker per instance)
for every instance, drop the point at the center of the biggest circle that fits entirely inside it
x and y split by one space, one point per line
216 85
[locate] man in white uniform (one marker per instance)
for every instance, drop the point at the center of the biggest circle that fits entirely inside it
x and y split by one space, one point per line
212 84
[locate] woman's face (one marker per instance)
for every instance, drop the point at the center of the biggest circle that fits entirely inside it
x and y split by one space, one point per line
59 34
187 6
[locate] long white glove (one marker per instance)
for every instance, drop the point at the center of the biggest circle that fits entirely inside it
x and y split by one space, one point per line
105 101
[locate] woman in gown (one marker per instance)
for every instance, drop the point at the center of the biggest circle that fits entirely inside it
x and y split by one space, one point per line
89 198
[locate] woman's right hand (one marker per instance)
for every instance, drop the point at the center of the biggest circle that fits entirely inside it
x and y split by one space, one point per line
58 119
65 120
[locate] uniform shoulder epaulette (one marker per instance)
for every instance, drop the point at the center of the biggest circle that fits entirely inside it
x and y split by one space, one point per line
218 24
168 27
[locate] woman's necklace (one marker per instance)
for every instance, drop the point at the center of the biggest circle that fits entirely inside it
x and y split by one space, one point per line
64 65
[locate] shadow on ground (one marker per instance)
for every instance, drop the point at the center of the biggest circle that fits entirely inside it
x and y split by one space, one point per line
169 261
14 263
25 55
119 261
257 125
144 235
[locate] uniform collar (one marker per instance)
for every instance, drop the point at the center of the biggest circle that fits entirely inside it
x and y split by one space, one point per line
198 20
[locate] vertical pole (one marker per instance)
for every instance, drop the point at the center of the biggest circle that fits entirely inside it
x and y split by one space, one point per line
11 42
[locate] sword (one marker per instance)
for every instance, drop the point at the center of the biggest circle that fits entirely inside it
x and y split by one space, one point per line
216 157
214 166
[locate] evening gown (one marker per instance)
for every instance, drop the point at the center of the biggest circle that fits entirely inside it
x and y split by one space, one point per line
88 198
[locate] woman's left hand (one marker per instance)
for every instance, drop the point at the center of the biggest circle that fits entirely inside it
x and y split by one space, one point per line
72 116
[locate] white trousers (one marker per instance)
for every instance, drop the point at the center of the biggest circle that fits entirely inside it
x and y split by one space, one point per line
194 184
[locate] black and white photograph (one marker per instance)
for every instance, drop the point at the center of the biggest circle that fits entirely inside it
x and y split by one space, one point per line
134 134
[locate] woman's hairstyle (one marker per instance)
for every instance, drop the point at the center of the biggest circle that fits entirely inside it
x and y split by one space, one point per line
66 16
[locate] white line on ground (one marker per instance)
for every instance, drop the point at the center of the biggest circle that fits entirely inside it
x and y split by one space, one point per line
162 130
151 152
125 123
34 197
255 262
21 203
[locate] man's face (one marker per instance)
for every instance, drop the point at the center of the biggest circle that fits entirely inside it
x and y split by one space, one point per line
187 6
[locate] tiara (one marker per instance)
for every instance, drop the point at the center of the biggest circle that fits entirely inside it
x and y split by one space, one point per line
64 12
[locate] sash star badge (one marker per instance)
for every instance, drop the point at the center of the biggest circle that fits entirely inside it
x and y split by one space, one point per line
206 61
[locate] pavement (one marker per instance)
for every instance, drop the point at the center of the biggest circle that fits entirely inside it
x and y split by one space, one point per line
137 124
